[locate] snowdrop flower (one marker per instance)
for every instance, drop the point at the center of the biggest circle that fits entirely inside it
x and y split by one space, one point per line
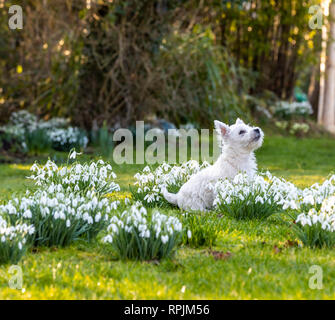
97 217
27 214
324 217
114 228
146 169
165 239
73 154
14 235
309 199
62 172
108 239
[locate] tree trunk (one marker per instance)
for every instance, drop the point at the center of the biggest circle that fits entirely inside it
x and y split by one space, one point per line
326 114
314 89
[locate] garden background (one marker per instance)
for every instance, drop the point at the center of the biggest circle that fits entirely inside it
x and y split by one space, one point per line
79 70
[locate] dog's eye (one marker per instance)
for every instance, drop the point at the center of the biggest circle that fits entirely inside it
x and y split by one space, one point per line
242 132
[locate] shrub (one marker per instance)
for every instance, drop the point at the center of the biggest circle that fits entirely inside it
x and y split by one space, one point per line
26 127
102 139
54 123
287 110
150 182
40 139
96 175
12 138
201 80
60 217
299 129
24 119
37 140
317 228
200 229
255 197
37 135
13 240
67 139
137 235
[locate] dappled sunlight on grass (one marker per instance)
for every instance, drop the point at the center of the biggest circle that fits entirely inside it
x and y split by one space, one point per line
306 180
124 180
270 168
25 167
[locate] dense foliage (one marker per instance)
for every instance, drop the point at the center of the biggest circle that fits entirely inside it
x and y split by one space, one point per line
124 60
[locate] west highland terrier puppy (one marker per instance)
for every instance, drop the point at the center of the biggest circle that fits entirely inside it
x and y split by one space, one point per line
238 143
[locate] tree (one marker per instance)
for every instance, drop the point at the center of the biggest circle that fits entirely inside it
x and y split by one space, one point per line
326 115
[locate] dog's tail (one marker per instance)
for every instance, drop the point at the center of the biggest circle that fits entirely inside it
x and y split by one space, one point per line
170 197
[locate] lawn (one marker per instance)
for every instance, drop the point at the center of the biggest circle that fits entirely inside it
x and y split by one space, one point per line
257 261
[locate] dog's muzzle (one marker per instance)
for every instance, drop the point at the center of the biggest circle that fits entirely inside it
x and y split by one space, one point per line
257 134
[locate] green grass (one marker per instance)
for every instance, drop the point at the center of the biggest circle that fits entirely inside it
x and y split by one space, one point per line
261 264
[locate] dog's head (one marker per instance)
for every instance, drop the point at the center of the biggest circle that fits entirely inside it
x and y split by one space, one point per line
240 136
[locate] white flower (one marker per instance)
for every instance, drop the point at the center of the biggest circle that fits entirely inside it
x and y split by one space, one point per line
97 217
63 171
309 199
27 214
114 228
165 239
108 239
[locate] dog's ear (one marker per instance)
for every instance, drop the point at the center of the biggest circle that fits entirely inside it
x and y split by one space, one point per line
239 121
221 128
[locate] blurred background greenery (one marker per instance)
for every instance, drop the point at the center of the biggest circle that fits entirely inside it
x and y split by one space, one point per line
114 62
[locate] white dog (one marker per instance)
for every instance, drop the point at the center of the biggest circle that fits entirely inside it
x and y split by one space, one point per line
238 142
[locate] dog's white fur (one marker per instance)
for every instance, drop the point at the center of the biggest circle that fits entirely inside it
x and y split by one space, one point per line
238 142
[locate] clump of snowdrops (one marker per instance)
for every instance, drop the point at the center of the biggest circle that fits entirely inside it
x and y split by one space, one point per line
79 178
60 217
317 228
38 135
63 139
255 197
285 109
313 196
150 182
13 240
137 234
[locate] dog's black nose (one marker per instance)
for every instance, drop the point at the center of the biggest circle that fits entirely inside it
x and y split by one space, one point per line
257 130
